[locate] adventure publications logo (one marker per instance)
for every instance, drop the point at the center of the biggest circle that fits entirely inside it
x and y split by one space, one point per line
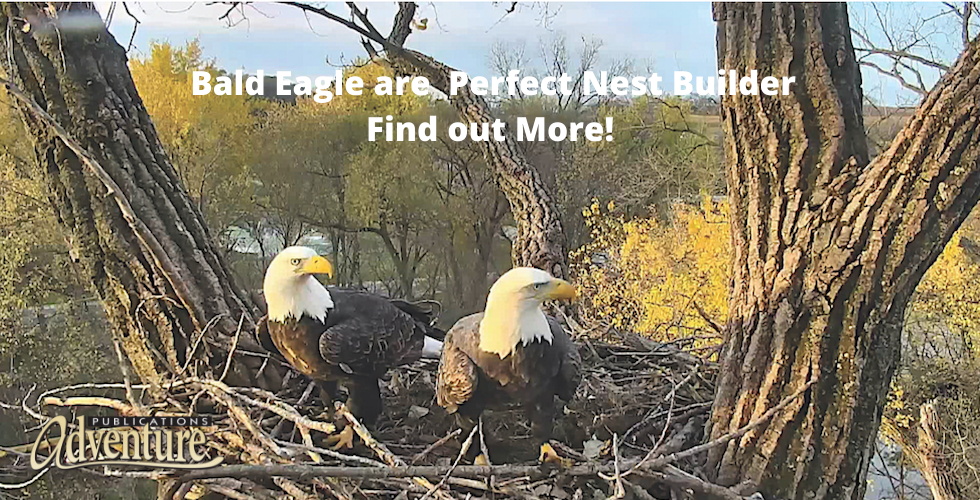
160 442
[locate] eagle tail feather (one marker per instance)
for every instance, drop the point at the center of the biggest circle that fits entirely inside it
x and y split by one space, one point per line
432 348
425 313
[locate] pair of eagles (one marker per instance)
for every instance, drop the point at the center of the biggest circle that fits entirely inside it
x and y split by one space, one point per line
511 352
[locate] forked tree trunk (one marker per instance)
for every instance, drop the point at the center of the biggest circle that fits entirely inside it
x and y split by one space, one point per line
828 246
67 62
540 238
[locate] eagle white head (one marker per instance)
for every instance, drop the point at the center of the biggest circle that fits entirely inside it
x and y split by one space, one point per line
290 288
513 313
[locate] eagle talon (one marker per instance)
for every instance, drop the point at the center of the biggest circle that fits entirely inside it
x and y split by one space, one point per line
550 456
481 459
344 440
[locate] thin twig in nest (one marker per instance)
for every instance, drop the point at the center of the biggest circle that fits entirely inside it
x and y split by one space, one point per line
115 404
673 390
670 412
690 452
302 400
124 368
483 441
462 452
686 412
390 458
331 454
308 442
282 409
234 345
618 490
435 445
197 342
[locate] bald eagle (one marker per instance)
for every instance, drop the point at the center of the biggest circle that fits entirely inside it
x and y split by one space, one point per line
511 353
341 335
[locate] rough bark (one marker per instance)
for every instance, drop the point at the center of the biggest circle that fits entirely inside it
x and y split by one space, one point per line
540 238
827 245
934 463
161 295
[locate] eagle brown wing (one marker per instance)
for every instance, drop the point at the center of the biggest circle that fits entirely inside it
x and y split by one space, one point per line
365 334
457 378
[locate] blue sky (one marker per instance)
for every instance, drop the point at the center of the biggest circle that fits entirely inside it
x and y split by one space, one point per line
664 37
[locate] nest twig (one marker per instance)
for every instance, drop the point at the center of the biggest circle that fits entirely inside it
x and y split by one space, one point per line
636 421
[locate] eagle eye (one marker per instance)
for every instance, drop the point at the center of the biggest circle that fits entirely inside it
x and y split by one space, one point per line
295 262
537 286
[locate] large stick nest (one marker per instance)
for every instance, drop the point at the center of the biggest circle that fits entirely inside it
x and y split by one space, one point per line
626 390
631 430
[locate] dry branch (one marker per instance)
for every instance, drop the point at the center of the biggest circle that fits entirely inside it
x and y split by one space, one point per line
435 445
462 453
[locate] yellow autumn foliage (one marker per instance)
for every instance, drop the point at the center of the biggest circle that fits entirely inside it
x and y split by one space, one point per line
948 296
164 80
648 276
940 347
652 277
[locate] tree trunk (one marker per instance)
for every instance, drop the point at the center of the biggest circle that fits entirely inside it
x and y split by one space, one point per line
162 287
932 459
828 247
540 238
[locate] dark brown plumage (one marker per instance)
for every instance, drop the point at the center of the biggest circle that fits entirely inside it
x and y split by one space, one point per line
340 335
363 336
472 379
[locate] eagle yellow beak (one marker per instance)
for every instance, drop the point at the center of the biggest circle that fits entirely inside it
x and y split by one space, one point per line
318 265
563 290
